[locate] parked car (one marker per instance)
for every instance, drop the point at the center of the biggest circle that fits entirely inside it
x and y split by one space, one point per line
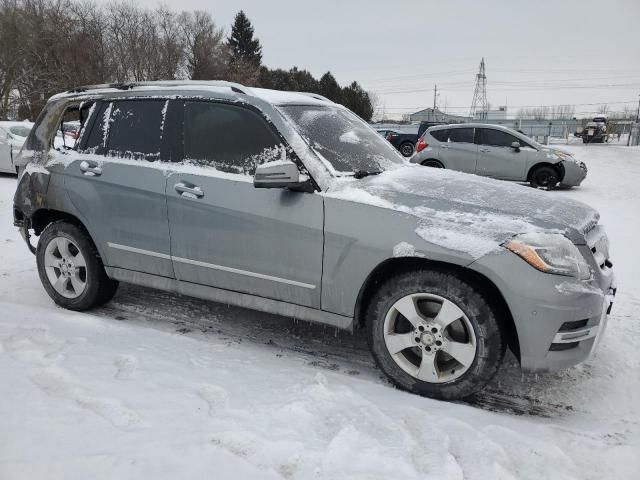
291 204
498 152
12 136
596 130
404 142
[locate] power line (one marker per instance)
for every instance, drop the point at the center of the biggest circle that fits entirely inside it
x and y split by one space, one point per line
526 106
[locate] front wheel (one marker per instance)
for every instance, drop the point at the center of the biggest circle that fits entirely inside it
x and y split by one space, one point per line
434 334
545 177
70 268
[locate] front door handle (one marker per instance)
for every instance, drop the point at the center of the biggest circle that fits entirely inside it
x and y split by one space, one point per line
445 146
485 150
90 169
185 190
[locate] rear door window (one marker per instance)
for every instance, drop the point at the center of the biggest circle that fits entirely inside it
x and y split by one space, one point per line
496 138
135 129
229 138
461 135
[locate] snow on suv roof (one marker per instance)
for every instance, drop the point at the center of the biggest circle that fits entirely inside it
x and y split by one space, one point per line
276 97
279 97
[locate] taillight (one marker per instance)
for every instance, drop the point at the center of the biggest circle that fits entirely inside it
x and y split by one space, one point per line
421 145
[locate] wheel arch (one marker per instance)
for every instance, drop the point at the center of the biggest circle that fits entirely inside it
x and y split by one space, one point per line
431 159
557 166
45 216
397 265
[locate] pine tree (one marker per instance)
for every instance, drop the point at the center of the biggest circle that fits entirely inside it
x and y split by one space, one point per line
329 87
244 48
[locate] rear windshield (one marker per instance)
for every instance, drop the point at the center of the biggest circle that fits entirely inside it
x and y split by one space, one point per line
343 139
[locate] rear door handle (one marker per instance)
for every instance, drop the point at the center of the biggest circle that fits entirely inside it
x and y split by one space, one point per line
185 190
485 150
90 169
445 146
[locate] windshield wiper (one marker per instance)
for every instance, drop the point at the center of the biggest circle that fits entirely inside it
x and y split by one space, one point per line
363 173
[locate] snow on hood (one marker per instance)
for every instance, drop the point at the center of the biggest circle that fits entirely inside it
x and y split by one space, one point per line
468 213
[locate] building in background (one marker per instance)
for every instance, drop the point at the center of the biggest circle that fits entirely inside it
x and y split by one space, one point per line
435 115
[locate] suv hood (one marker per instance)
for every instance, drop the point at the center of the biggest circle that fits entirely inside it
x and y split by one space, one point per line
465 212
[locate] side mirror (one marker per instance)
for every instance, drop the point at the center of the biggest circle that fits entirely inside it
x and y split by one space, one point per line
280 174
516 146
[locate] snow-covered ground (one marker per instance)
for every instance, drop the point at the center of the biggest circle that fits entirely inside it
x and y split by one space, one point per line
155 385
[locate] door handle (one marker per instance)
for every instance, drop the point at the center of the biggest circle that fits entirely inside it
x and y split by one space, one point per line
188 191
90 169
485 150
445 146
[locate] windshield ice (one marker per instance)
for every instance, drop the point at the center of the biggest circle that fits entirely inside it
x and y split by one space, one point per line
343 139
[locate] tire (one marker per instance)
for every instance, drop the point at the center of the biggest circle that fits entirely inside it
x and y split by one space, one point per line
70 268
477 324
433 164
407 149
544 177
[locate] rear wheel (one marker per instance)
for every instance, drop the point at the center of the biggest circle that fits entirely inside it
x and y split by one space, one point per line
544 177
434 334
70 268
433 164
406 149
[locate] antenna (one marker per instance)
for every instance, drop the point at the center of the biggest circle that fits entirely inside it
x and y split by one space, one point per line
480 106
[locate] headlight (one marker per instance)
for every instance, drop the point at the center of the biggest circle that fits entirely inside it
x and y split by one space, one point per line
564 156
550 253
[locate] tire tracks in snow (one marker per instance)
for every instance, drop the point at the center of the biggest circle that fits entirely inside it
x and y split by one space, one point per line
512 392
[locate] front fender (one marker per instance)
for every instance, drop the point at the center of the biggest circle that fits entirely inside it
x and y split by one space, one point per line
353 249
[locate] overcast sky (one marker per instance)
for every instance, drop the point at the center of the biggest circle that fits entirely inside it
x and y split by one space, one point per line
536 52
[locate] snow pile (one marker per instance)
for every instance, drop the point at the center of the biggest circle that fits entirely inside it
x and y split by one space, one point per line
350 137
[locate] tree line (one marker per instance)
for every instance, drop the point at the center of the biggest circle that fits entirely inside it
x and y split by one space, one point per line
49 46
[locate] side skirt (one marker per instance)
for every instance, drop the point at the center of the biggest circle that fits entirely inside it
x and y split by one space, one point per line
245 300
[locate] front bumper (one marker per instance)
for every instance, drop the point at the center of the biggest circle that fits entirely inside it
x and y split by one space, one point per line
559 320
574 174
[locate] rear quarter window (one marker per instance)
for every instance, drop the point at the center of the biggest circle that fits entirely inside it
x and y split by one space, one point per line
440 135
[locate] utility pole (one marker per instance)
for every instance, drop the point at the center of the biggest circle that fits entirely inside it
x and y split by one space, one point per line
637 122
435 96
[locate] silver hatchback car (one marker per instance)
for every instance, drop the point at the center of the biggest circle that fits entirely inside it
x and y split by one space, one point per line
498 152
291 204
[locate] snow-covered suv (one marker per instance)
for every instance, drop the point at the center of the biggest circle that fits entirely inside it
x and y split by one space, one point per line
291 204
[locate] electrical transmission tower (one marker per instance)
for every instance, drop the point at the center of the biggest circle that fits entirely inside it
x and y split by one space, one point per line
480 106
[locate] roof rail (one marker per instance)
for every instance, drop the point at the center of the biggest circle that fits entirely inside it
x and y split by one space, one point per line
317 96
235 87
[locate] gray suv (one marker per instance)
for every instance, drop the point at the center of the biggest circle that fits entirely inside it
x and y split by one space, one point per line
291 204
498 152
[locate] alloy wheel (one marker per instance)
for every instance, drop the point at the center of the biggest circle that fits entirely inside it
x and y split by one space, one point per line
430 338
66 267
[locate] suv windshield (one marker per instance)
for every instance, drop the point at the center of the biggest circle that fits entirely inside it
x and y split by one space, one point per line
342 138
